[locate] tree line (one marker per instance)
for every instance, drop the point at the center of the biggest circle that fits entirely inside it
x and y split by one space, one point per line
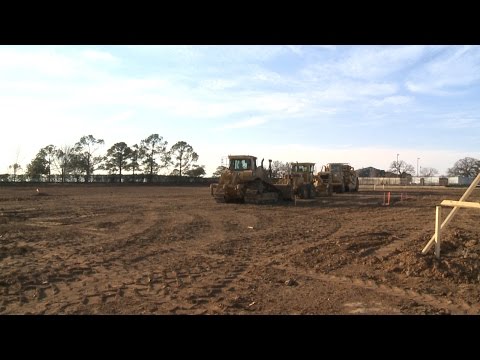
83 158
468 167
151 156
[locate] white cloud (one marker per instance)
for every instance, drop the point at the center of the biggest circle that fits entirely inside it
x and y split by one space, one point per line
296 49
120 117
460 122
252 122
39 60
456 67
373 62
365 62
268 76
97 55
218 84
326 47
250 52
346 91
393 100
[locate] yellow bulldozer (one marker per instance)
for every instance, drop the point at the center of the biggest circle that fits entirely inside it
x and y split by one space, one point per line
302 182
244 181
339 177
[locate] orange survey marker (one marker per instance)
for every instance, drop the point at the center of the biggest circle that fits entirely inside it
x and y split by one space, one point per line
387 203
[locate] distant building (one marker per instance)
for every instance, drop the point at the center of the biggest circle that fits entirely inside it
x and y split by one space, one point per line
417 180
442 180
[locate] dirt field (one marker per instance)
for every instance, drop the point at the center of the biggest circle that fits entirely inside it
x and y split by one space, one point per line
174 250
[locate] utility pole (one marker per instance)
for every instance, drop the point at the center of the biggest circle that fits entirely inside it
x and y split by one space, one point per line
417 165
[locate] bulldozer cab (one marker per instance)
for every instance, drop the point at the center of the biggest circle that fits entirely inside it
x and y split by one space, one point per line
336 167
243 180
303 167
304 170
342 177
241 164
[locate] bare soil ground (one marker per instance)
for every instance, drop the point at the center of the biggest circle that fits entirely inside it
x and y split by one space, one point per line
174 250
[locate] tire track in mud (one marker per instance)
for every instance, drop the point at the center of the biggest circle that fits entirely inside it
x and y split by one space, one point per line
188 282
218 270
88 282
240 251
283 250
225 253
461 307
148 276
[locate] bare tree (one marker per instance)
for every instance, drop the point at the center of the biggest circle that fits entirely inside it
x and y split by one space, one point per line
279 169
428 171
16 168
65 158
49 153
468 166
401 168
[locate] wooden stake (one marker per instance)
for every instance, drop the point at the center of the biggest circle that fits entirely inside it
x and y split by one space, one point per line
461 204
453 212
438 230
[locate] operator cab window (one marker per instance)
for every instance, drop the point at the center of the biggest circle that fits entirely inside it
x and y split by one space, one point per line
240 164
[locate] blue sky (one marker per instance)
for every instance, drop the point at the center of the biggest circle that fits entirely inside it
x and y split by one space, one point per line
357 104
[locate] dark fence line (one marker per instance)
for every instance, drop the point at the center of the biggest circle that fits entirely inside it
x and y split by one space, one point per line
108 179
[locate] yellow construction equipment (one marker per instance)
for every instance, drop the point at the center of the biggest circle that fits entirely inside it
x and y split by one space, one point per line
340 177
244 181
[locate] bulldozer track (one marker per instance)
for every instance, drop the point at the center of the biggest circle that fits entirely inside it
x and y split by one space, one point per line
219 271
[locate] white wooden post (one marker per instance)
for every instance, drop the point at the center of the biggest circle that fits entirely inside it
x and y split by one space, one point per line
438 230
453 212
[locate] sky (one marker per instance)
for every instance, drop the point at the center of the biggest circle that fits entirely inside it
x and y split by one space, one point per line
363 105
